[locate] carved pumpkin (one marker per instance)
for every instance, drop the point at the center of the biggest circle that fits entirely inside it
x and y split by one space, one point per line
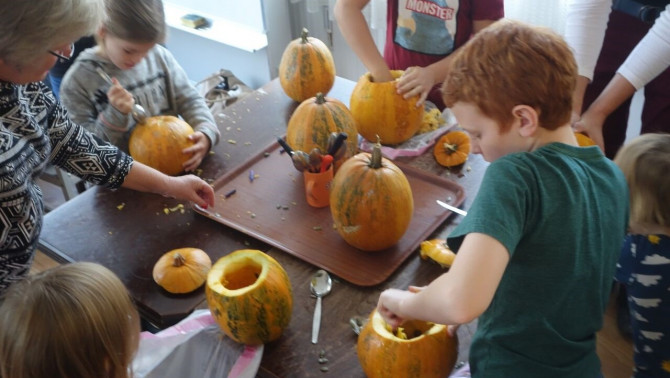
250 296
583 140
159 142
182 270
306 68
452 148
380 111
371 201
417 349
315 119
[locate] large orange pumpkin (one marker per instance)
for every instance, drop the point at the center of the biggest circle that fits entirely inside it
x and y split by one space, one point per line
315 119
423 349
306 68
380 111
182 270
371 201
159 142
250 296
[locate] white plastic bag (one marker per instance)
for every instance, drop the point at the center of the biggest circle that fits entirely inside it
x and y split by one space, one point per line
195 347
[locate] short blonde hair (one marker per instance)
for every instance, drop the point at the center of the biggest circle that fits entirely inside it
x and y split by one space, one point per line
508 64
75 320
28 28
645 162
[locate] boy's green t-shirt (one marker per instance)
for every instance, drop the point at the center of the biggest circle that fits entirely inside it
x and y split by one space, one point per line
562 213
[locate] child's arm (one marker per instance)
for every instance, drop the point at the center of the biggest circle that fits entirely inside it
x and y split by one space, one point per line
457 296
354 28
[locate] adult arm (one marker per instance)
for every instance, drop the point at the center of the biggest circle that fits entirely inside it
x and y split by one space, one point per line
648 59
585 27
355 30
457 296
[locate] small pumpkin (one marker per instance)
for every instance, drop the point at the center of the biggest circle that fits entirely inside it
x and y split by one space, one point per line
380 111
306 68
583 140
452 148
182 270
417 349
313 121
250 296
438 251
371 201
159 142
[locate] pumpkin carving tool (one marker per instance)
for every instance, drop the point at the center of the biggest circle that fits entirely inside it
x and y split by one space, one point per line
452 208
285 146
320 286
138 112
326 161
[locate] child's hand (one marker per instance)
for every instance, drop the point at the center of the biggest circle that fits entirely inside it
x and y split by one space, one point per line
389 306
416 81
192 188
120 98
198 150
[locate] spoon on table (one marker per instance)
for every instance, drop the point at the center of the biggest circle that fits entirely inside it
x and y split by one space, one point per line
319 286
138 112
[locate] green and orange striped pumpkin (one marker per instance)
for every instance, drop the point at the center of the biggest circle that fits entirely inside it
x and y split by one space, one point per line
371 201
380 111
250 296
306 68
417 349
315 119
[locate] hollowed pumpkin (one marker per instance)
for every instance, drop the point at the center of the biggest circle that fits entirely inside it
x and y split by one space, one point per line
371 201
452 149
306 68
182 270
380 111
423 350
159 142
250 296
315 119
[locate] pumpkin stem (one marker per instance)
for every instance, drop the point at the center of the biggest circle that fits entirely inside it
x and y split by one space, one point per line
376 159
303 35
178 260
320 99
450 148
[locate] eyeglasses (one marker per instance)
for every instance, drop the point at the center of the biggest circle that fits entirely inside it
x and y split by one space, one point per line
63 55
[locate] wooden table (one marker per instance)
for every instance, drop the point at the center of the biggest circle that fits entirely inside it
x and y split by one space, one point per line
127 231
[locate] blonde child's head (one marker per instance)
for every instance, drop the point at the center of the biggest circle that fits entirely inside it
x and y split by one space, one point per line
139 21
75 320
509 64
645 162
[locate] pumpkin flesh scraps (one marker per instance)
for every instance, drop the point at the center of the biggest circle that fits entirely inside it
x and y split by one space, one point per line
452 149
428 350
250 296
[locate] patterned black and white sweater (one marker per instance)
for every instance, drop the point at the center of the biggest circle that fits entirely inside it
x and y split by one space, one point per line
35 131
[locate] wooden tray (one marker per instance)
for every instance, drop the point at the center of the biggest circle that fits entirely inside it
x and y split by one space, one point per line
272 208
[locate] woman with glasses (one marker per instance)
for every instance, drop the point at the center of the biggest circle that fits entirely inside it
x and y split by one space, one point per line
35 129
64 62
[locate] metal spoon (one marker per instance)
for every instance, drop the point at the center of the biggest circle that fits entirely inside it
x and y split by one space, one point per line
319 286
138 112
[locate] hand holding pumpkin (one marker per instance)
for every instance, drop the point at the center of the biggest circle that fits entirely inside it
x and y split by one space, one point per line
389 304
416 81
198 151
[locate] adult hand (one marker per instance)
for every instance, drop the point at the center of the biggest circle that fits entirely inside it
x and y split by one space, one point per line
591 123
416 81
191 188
198 150
120 98
389 306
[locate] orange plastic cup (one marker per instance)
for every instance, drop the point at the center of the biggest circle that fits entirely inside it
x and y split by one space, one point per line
317 187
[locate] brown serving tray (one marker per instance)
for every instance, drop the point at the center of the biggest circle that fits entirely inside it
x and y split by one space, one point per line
272 208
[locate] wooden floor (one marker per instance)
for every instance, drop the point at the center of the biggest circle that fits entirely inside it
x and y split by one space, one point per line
616 352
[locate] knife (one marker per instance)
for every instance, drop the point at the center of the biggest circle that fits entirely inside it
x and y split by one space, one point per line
452 208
